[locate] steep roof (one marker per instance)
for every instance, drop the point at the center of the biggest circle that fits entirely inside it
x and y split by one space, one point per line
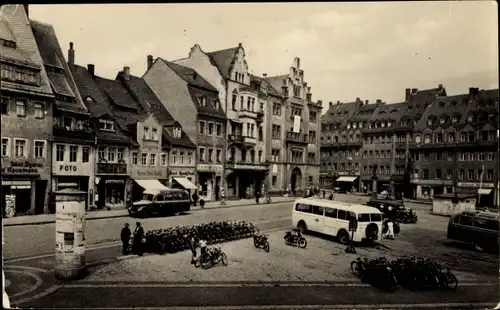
184 141
190 75
57 69
223 60
339 113
88 88
456 105
277 81
270 89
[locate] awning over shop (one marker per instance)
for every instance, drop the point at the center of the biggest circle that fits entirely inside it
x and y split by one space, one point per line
484 191
151 185
346 179
184 182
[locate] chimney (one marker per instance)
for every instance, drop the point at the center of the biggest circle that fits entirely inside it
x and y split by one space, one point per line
91 69
367 101
407 94
473 90
358 100
309 96
264 75
414 90
126 73
150 61
27 10
338 101
308 89
379 101
71 54
297 62
320 102
440 86
330 103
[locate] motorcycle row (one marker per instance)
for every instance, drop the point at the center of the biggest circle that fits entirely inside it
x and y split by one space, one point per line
414 273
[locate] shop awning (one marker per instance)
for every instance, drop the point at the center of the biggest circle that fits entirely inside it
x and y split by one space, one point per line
484 191
184 182
151 185
346 179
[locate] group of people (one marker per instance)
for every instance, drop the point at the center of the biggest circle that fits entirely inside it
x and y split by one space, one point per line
137 241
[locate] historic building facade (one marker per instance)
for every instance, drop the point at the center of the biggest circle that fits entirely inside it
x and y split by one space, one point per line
195 103
26 105
298 135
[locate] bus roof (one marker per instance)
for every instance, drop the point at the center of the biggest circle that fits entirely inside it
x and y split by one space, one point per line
162 191
358 208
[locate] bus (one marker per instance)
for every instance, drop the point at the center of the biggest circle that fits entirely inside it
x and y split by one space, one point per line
479 228
163 202
332 218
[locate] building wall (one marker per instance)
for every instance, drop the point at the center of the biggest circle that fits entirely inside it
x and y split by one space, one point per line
179 168
174 94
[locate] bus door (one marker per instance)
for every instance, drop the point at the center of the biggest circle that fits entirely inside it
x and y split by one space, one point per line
318 219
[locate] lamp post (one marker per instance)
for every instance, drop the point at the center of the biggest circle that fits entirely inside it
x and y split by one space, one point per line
374 181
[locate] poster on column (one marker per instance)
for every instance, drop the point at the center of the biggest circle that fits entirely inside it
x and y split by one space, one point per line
296 124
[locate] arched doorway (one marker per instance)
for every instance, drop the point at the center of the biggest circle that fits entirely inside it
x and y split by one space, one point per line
296 179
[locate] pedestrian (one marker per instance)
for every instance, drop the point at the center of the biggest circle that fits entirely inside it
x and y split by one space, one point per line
138 235
202 244
324 194
257 196
195 197
390 229
125 237
365 189
192 245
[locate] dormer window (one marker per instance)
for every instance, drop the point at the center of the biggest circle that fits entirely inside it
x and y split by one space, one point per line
89 99
430 122
215 104
177 132
389 124
349 126
382 124
146 133
442 121
470 118
354 125
454 119
154 134
105 124
360 125
202 101
403 123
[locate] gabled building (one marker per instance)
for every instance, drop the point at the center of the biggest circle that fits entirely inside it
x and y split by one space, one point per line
195 104
299 137
113 146
26 106
73 139
244 104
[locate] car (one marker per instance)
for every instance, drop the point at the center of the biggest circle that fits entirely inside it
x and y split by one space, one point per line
399 211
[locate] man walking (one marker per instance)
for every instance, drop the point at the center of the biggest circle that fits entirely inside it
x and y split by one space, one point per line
193 242
125 237
138 235
257 196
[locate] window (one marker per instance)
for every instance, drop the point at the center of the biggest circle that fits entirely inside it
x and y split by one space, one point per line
427 139
462 157
39 149
451 137
470 174
426 174
276 134
163 159
202 154
233 102
274 180
174 157
210 155
5 106
218 156
202 127
20 146
155 134
109 125
5 147
275 155
261 133
144 159
85 154
145 134
73 151
439 138
480 156
472 136
439 156
210 128
219 130
60 150
39 110
120 154
303 208
134 158
21 108
331 212
152 160
461 174
489 174
190 158
276 109
438 173
491 156
318 210
111 154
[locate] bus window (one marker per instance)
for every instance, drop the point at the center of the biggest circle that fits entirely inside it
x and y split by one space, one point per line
376 217
342 215
364 217
456 219
330 212
160 198
303 208
169 196
350 215
486 223
318 210
466 220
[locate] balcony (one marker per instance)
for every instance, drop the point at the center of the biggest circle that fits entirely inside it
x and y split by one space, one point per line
235 138
111 168
243 165
250 141
295 137
247 114
73 134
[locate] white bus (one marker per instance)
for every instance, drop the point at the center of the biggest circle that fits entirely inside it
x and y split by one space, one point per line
332 218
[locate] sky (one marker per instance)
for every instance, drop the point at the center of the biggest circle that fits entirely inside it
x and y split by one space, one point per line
371 50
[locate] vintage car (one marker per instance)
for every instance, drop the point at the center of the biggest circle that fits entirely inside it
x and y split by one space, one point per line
397 208
162 202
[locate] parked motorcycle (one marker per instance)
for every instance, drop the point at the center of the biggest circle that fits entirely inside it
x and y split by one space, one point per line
212 257
260 241
295 238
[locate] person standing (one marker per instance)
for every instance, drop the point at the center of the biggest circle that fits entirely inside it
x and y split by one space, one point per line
195 197
125 237
257 196
193 242
138 235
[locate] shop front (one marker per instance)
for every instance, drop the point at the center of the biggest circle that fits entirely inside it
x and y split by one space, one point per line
112 185
485 192
146 178
426 189
244 180
347 183
183 178
209 181
25 186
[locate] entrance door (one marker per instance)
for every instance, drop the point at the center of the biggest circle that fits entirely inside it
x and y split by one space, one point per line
40 186
296 180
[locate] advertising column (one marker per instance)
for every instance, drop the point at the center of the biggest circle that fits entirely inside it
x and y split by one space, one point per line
70 233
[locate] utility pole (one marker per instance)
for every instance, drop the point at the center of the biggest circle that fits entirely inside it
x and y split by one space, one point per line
224 161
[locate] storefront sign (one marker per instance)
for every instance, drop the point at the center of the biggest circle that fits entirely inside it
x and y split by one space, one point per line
209 168
476 185
22 168
250 167
182 173
67 168
149 173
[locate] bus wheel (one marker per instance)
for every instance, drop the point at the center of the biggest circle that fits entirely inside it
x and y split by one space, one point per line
302 226
343 237
176 213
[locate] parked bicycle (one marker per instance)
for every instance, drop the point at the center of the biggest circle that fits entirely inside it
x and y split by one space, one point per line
212 257
261 241
376 272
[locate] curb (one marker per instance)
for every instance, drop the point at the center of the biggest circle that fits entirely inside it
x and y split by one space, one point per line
126 215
